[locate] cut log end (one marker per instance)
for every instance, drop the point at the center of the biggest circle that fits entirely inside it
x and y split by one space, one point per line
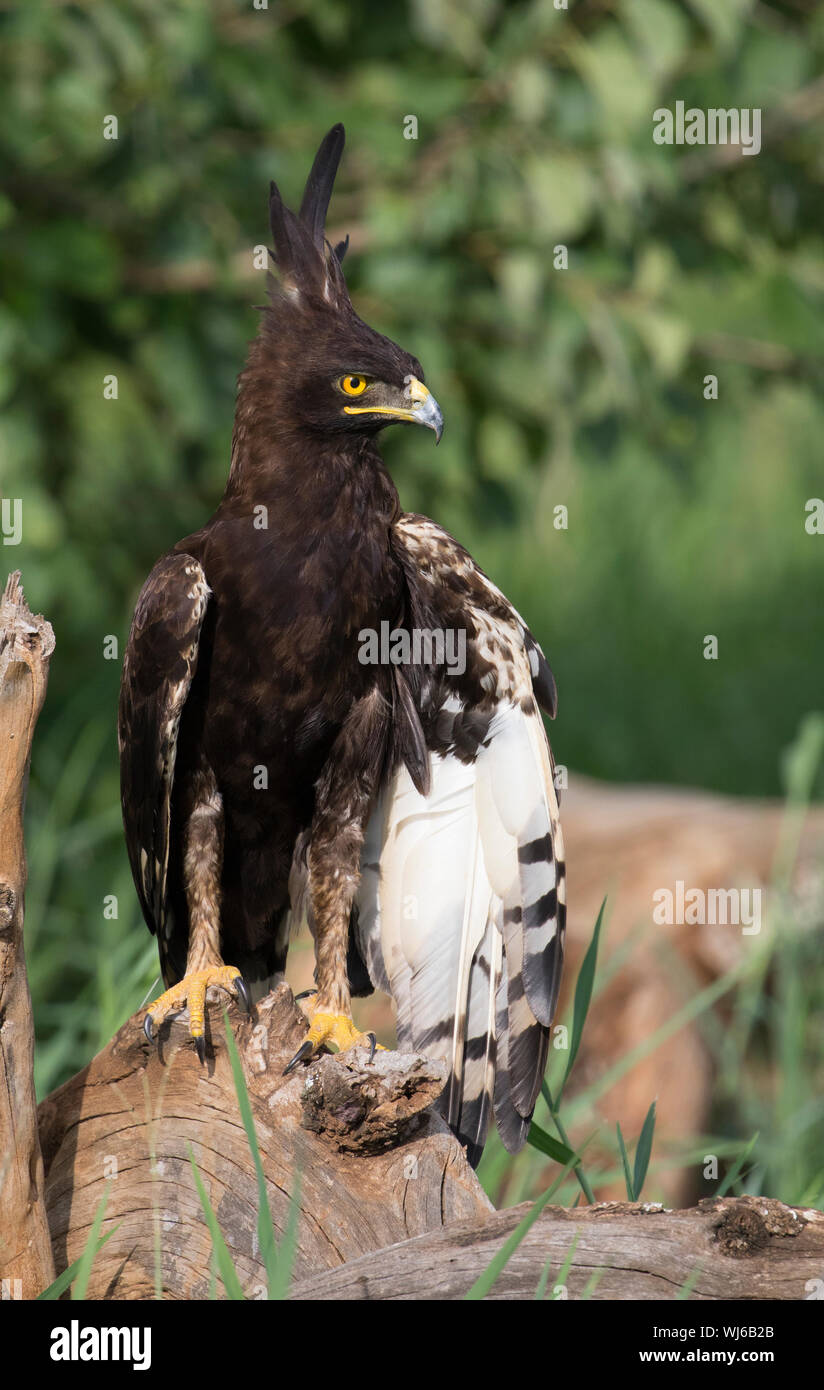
374 1163
24 636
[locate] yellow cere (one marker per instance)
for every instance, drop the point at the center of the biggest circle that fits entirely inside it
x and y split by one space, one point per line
416 389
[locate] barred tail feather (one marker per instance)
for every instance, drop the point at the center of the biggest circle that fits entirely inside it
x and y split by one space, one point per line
512 1127
471 1090
460 912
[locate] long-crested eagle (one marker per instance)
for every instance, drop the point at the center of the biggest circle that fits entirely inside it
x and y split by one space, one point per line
268 770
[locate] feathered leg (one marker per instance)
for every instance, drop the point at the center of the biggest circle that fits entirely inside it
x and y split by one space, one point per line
345 794
202 865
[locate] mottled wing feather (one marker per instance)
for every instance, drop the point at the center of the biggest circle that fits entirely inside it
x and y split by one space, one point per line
461 904
158 668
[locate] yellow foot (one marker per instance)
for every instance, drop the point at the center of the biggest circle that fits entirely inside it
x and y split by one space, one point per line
191 990
337 1029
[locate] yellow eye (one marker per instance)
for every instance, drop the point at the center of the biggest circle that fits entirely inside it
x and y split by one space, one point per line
353 385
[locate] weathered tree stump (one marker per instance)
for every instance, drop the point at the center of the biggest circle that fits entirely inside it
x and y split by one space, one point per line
375 1166
389 1208
26 643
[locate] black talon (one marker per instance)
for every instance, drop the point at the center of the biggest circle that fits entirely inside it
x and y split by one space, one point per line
244 998
304 994
305 1050
373 1043
148 1028
200 1044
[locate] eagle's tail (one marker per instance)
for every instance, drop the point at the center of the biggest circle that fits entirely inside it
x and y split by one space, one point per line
460 914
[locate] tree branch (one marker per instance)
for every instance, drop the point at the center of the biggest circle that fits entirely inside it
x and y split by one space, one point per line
729 1248
26 643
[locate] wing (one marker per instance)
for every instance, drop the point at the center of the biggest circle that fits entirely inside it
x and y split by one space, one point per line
461 904
158 668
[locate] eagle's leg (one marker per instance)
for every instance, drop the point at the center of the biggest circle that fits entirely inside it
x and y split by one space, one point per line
202 865
344 798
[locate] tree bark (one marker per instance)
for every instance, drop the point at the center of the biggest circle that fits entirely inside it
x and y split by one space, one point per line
375 1166
26 643
726 1248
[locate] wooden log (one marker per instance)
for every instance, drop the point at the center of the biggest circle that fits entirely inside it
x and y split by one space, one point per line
727 1248
389 1209
26 644
375 1165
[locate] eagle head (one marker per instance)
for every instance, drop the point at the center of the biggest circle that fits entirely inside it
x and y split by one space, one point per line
326 371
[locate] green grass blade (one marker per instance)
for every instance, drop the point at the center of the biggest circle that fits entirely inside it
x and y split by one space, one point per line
643 1153
625 1160
484 1282
84 1264
800 764
61 1283
540 1289
279 1286
563 1272
553 1148
581 1176
583 995
592 1283
265 1229
278 1260
226 1269
157 1235
736 1170
689 1283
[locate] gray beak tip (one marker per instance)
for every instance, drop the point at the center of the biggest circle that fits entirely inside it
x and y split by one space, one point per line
428 413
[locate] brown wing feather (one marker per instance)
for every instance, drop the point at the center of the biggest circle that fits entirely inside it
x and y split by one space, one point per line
158 668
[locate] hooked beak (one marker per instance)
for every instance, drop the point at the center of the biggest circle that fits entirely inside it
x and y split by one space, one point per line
415 403
425 409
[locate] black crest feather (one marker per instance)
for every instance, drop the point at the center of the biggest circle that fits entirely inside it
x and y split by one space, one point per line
302 253
319 184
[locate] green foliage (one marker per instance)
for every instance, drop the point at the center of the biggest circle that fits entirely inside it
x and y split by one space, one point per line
583 997
634 1178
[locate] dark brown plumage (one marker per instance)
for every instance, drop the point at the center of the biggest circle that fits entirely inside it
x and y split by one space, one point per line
265 766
